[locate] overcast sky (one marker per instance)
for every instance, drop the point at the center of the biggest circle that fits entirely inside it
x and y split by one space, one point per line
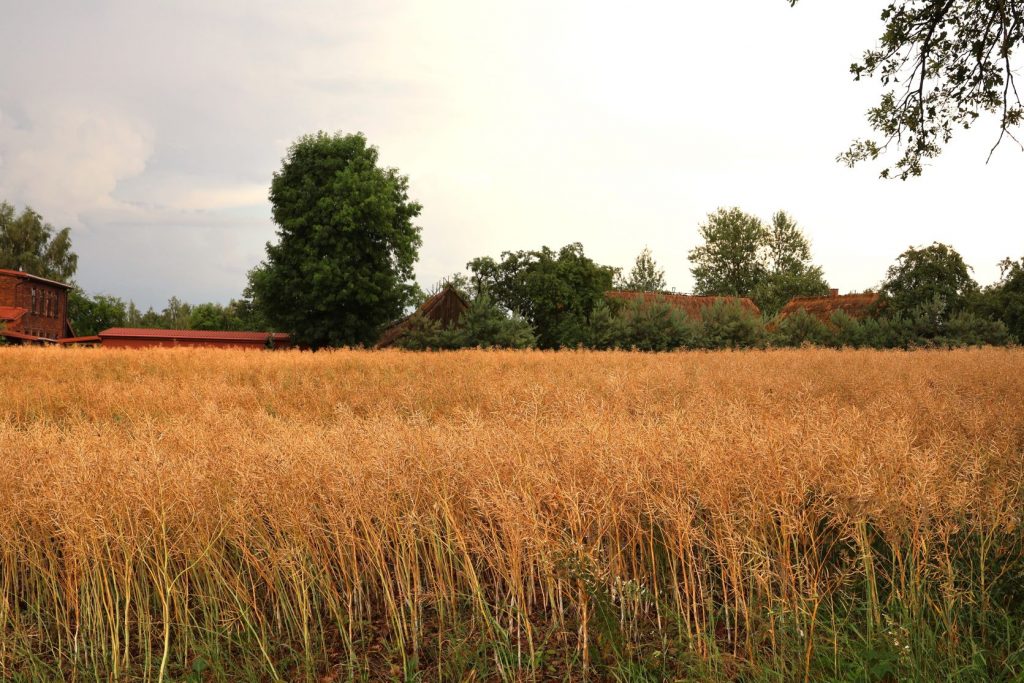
153 131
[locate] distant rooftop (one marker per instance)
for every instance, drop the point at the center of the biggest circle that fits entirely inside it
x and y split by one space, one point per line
35 278
205 335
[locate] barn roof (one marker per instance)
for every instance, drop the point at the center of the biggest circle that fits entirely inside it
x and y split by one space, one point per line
191 335
857 306
690 304
445 307
35 278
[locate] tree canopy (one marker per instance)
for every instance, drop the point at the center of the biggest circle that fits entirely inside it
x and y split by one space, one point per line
28 243
929 277
1004 300
942 64
730 262
554 291
342 266
741 256
645 276
789 271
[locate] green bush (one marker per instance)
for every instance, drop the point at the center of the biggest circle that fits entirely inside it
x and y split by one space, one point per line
659 326
801 328
727 325
970 329
483 325
608 328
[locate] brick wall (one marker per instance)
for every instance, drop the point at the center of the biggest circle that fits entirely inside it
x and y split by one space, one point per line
47 317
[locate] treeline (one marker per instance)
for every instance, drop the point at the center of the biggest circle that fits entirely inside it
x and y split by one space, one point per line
341 271
550 299
90 315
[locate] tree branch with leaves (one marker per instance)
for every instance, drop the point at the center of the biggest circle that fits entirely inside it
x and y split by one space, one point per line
942 64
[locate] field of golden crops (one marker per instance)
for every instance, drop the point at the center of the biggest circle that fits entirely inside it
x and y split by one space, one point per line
785 515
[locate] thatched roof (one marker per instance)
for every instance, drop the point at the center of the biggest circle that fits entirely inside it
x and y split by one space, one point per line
857 306
693 306
445 307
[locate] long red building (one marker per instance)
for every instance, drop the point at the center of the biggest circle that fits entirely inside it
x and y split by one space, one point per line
135 337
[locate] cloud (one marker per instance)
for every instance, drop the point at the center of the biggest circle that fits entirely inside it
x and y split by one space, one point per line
69 158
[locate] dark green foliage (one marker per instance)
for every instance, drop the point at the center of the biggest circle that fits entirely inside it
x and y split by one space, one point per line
731 260
1004 301
727 325
342 266
802 328
969 329
743 257
555 292
789 271
928 280
608 328
29 244
942 65
483 325
91 315
658 326
922 327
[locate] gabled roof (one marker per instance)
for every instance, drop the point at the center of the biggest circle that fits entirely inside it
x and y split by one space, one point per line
692 305
445 307
191 335
34 278
857 306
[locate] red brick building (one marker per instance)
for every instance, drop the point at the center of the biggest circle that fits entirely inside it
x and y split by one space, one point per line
32 308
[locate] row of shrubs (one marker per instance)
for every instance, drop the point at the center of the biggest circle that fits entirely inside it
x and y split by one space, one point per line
659 326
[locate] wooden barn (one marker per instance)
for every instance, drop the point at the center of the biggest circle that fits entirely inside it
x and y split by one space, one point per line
445 307
32 308
857 306
135 338
692 306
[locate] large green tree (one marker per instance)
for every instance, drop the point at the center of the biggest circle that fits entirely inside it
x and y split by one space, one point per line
342 266
90 315
731 260
555 291
1005 299
789 271
28 243
933 278
942 65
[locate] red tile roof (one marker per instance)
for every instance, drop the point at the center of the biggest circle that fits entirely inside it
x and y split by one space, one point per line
35 278
192 335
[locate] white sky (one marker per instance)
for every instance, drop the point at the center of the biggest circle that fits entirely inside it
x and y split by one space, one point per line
153 131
